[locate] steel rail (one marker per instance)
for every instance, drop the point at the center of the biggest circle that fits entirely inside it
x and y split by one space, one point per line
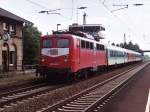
88 99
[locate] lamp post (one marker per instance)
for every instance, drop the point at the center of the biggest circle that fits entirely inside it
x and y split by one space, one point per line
57 26
77 11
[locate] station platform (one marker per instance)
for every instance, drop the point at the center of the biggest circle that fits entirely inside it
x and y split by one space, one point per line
135 97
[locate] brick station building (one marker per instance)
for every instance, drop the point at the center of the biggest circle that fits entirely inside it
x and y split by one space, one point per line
11 46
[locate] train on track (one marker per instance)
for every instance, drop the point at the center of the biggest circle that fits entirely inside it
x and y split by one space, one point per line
75 52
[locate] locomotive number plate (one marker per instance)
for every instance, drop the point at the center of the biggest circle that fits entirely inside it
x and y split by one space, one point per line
53 52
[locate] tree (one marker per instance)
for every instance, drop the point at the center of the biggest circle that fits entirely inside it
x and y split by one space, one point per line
113 44
31 37
117 45
131 46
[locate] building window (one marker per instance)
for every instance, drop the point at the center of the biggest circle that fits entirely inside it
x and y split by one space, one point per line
12 29
5 26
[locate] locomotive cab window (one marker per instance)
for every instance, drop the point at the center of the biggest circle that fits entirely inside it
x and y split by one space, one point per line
91 46
62 43
87 45
82 44
47 43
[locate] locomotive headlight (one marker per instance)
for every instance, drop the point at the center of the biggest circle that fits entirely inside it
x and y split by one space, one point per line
42 59
65 58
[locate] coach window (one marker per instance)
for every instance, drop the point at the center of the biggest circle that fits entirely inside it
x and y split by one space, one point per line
110 53
121 54
116 54
62 43
47 43
82 44
113 53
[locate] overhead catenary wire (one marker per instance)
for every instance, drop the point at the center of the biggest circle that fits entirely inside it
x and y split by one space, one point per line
110 11
47 10
37 4
130 21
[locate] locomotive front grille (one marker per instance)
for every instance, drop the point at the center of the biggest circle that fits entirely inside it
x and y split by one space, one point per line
53 52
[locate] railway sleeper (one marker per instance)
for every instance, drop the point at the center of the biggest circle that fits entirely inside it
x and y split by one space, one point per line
74 108
96 96
80 103
67 110
88 100
77 105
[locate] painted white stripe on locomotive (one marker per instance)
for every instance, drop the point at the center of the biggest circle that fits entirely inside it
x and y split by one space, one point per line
61 52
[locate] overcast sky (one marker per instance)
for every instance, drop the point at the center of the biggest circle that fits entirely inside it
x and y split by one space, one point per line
134 21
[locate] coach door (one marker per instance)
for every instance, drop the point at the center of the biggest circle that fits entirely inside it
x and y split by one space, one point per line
94 55
78 48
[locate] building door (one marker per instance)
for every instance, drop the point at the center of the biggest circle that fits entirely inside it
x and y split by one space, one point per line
5 61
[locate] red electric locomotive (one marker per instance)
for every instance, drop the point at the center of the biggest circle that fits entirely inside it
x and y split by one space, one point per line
69 53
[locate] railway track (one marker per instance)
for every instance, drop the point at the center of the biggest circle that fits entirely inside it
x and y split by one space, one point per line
24 93
95 97
5 94
19 85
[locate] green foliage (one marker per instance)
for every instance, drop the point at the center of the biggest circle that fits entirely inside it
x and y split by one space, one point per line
130 45
31 37
113 44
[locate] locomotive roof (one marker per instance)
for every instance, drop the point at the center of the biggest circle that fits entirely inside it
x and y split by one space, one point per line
89 38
